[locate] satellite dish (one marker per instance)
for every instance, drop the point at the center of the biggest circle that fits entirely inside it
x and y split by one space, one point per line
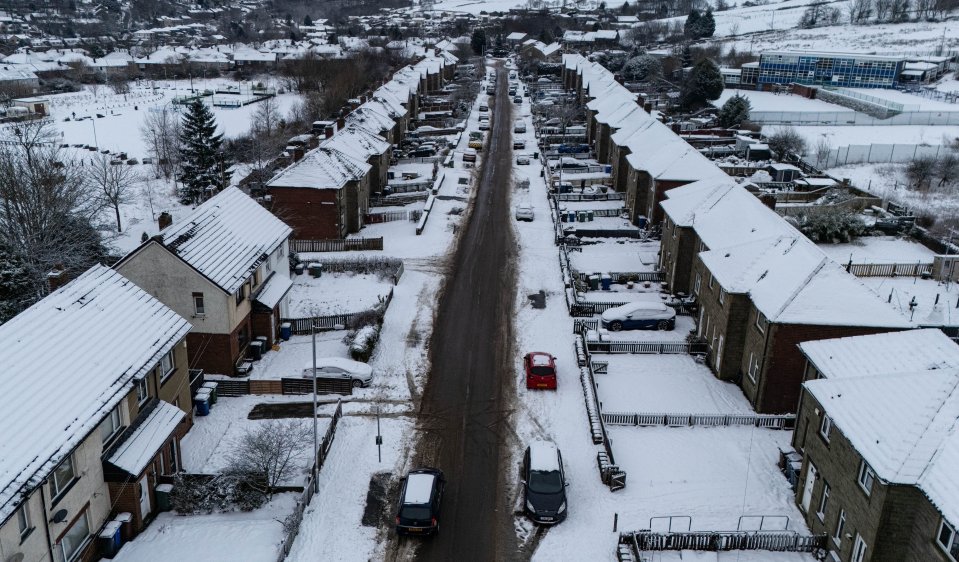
60 516
18 557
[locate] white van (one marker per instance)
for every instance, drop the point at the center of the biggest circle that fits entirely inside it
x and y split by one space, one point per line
519 126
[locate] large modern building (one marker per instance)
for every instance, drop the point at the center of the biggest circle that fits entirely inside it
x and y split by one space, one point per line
848 70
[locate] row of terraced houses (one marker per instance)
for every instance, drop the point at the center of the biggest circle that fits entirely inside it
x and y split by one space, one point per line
876 399
99 376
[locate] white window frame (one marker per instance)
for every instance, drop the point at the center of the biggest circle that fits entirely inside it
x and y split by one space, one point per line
113 421
823 502
79 547
164 371
858 549
143 384
840 527
698 283
722 296
56 487
825 427
760 322
752 371
710 281
24 522
866 478
199 304
951 546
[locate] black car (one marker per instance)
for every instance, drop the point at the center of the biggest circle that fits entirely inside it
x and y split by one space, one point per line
544 484
419 508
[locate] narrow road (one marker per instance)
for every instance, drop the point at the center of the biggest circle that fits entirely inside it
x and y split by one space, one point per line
469 394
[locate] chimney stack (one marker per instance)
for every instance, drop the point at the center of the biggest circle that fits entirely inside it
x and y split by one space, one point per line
328 131
297 153
57 277
769 200
164 220
340 123
648 107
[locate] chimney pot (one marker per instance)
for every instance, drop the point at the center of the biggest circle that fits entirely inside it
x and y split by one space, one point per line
328 131
340 123
57 277
164 220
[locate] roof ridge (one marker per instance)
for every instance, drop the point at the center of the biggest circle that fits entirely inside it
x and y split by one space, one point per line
952 429
822 263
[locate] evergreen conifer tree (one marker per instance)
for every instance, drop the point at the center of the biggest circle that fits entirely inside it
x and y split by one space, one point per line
692 21
734 111
202 161
704 83
706 25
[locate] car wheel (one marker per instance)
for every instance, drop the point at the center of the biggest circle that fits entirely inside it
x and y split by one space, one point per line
663 325
616 326
357 384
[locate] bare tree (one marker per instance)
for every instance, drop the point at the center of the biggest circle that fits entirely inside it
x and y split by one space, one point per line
823 151
270 453
46 204
899 10
883 9
161 133
919 172
114 183
859 11
923 8
786 142
947 168
266 118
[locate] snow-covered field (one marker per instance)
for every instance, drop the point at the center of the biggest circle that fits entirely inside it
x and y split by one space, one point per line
336 293
615 255
879 249
875 134
770 101
887 181
917 298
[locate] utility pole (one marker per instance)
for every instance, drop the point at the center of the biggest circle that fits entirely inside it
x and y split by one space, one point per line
316 445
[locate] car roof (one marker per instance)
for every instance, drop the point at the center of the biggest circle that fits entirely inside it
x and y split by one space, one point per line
419 487
543 456
341 362
644 305
540 358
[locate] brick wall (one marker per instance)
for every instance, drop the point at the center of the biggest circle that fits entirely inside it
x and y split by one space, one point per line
658 189
637 191
262 326
216 353
620 172
922 538
313 214
602 143
678 253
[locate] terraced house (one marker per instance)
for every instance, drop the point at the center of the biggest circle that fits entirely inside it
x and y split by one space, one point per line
225 267
877 429
96 396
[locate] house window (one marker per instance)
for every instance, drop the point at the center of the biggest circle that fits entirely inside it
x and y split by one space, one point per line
63 476
722 295
167 365
199 307
825 427
840 526
110 426
858 550
947 539
23 521
699 281
239 295
74 539
753 369
710 282
823 502
866 477
760 322
143 390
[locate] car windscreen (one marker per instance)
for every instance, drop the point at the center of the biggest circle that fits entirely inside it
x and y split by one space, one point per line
543 482
415 512
542 371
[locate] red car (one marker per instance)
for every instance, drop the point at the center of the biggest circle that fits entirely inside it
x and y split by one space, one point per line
540 370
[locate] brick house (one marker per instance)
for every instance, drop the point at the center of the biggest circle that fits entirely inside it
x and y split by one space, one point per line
376 120
878 435
121 362
324 195
357 140
760 299
224 267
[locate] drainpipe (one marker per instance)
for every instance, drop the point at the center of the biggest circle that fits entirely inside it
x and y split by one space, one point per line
46 523
762 365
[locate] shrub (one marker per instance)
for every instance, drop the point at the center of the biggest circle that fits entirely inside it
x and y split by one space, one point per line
363 342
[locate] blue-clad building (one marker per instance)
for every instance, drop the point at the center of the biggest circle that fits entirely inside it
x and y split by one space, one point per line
848 70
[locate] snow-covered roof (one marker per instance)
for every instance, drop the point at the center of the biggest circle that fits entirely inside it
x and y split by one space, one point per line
16 72
226 238
371 117
322 168
273 290
135 453
904 426
543 456
67 362
889 353
358 141
516 36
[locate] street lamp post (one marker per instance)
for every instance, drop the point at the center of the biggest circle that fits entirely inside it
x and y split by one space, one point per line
316 446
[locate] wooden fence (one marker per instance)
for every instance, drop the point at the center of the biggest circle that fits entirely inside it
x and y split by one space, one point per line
336 245
647 347
390 216
302 326
323 450
786 421
776 541
323 386
620 277
611 196
398 200
889 269
228 387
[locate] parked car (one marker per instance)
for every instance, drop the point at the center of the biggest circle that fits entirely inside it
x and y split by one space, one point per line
491 90
484 125
483 108
519 126
522 159
524 212
337 368
517 99
544 484
419 508
469 155
572 148
540 370
519 145
642 315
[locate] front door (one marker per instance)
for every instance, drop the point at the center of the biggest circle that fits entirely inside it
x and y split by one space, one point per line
808 486
145 507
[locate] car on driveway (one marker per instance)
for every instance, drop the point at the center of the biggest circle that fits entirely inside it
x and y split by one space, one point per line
540 368
524 212
642 315
544 484
418 511
338 368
